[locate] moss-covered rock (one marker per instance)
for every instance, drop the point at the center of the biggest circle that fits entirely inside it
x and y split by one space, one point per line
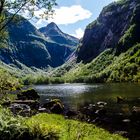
55 106
29 94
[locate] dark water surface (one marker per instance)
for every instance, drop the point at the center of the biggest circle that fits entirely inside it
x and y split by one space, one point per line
76 95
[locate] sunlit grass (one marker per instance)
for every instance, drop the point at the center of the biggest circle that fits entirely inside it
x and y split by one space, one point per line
68 129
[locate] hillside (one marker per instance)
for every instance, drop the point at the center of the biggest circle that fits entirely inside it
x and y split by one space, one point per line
29 46
108 68
106 31
110 46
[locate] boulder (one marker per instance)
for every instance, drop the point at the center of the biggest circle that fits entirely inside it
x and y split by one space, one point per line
101 112
29 94
71 113
55 106
136 110
32 103
120 99
21 109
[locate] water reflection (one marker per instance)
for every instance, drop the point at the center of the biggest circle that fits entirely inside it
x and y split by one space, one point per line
76 95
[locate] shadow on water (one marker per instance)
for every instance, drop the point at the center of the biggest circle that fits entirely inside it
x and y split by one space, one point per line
121 115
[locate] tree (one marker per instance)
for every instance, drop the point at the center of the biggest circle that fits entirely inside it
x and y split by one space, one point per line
21 6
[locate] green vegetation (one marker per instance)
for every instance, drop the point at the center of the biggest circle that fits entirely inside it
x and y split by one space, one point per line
7 81
131 36
18 128
109 68
49 127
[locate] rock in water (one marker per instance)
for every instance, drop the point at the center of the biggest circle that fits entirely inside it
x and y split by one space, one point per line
55 106
29 94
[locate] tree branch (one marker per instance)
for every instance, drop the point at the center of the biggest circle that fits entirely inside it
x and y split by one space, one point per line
13 16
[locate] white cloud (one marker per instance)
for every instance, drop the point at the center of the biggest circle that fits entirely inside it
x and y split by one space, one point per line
78 33
65 15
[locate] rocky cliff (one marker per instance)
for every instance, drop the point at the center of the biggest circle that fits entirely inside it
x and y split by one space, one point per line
107 30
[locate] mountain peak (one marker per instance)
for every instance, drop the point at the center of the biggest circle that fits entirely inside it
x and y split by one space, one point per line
52 25
53 32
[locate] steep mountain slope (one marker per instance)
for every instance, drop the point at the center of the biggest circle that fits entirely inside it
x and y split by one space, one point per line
28 46
107 30
52 32
108 68
117 55
131 36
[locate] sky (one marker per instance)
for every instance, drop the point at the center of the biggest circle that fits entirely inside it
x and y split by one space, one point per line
72 16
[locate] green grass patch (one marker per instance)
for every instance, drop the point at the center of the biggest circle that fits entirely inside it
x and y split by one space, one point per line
68 129
49 127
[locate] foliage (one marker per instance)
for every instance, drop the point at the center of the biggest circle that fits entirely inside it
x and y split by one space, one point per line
35 79
68 129
41 79
7 81
109 68
48 127
19 7
17 128
11 127
131 36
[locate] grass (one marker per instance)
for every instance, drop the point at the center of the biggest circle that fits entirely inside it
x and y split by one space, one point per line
68 129
49 127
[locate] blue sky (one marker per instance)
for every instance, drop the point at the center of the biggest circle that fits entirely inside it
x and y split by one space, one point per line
72 16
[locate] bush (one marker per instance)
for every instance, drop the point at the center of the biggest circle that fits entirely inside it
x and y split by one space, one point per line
18 128
7 81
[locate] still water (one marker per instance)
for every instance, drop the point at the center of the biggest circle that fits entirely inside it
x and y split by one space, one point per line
76 95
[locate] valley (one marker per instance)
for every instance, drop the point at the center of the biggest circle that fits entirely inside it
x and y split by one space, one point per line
52 83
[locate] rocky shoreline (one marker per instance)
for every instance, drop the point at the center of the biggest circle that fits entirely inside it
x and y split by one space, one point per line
126 124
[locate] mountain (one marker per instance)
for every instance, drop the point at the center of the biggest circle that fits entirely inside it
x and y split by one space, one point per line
110 48
29 46
106 31
51 31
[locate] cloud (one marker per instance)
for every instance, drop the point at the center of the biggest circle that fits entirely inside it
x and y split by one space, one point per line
65 15
78 33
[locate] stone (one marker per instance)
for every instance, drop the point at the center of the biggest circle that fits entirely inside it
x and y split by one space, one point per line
119 99
32 103
55 106
101 103
136 110
71 113
41 110
101 112
29 94
20 108
126 120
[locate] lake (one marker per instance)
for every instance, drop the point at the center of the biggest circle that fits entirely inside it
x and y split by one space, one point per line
75 96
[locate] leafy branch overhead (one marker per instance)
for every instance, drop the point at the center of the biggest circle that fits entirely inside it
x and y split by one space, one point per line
22 6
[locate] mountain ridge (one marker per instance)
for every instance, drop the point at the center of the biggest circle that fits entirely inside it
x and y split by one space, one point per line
53 32
106 31
29 46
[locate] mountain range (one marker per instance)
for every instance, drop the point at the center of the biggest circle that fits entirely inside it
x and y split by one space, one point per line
108 52
33 48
